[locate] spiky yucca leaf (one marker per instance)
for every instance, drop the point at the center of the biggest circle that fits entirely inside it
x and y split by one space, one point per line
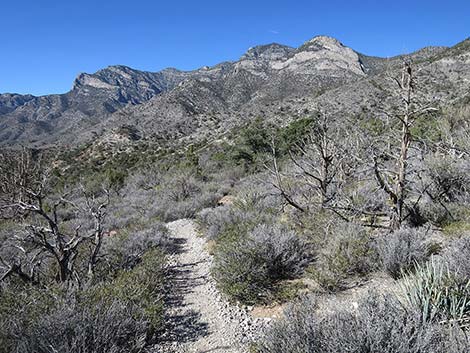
437 293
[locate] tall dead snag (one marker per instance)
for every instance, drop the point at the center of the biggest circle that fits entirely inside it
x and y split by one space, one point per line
397 192
30 199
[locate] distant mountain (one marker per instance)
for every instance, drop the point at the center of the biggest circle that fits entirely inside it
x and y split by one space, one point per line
92 99
273 81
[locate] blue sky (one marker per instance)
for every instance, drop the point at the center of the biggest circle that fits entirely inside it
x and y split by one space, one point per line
44 44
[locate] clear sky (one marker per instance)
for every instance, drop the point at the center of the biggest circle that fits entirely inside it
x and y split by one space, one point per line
44 44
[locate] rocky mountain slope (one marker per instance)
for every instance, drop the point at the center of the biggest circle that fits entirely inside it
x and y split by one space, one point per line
272 81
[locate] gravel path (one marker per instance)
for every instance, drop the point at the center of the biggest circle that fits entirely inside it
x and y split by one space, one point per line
199 320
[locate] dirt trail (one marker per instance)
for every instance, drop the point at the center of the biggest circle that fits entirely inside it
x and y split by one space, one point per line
199 320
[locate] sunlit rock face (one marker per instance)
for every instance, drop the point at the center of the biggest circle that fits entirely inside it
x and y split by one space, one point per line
322 54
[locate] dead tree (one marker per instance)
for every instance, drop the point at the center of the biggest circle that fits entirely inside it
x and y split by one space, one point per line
97 209
321 160
319 163
279 182
46 232
397 190
20 171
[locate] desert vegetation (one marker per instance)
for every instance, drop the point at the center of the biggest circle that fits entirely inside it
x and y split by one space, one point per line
308 214
342 205
71 281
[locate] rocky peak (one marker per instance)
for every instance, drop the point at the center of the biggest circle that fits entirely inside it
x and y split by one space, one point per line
107 78
173 103
85 79
323 54
268 52
323 42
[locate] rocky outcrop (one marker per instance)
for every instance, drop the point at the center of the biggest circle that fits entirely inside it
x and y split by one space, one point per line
322 54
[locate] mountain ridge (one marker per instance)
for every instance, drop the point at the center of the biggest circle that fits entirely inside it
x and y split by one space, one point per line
182 102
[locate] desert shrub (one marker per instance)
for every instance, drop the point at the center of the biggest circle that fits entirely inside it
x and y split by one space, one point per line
20 304
254 194
121 315
181 194
189 208
450 177
125 249
217 221
253 204
345 250
165 196
401 250
73 328
134 203
142 287
456 256
445 214
229 222
458 228
248 268
380 325
447 189
432 212
437 293
364 196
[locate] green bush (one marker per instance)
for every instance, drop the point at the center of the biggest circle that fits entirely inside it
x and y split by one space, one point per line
141 287
288 137
253 143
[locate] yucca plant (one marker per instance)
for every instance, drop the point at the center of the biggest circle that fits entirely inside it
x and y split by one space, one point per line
437 293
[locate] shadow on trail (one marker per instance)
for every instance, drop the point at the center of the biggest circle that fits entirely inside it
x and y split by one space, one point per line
182 324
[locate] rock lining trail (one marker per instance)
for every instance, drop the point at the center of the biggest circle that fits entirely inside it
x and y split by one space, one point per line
199 319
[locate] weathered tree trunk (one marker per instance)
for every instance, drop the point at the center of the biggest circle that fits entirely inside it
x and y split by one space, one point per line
397 191
406 86
63 271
